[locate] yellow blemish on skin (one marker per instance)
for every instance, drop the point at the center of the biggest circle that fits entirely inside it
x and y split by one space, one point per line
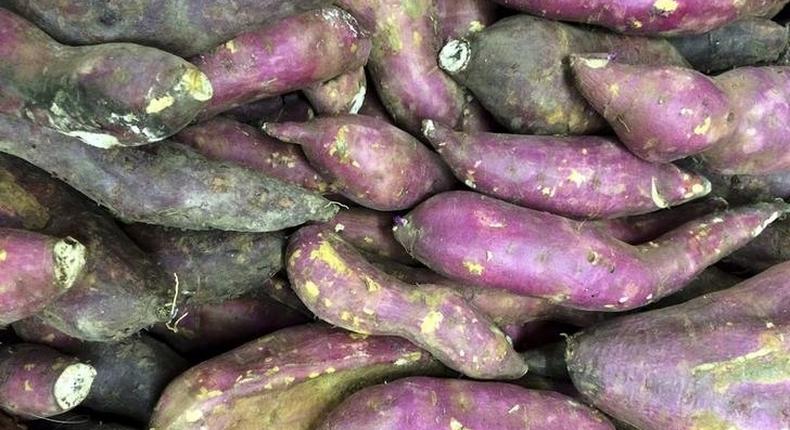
326 253
367 239
703 128
231 46
330 370
456 425
30 366
372 285
577 178
313 375
28 387
311 289
697 189
408 358
197 85
206 394
614 90
431 322
345 316
327 303
273 371
358 336
417 38
666 6
289 380
636 23
476 26
193 415
159 104
474 268
3 255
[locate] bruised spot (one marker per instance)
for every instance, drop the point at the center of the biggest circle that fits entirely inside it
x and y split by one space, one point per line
703 128
327 254
666 7
159 104
339 148
311 290
431 322
474 268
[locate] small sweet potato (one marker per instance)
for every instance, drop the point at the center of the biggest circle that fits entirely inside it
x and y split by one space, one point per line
340 95
371 232
18 208
458 18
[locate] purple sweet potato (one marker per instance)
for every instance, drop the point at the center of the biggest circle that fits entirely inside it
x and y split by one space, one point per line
372 106
166 184
35 269
710 280
517 69
649 17
224 139
760 98
105 95
289 55
743 43
770 248
717 362
487 242
338 285
371 232
403 62
38 382
35 330
661 113
458 18
421 403
212 266
370 161
584 176
278 289
288 380
340 95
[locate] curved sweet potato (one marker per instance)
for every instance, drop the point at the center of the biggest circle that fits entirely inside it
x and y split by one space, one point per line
340 95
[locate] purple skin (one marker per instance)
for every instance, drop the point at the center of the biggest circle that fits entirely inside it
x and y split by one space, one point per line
760 98
224 139
421 403
35 269
39 382
585 177
341 287
517 68
340 95
106 95
281 58
458 18
482 241
291 107
287 380
717 362
372 106
370 232
770 248
35 330
18 208
278 289
403 62
661 113
370 161
648 17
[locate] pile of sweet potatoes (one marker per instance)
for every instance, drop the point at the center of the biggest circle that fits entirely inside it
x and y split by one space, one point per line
388 215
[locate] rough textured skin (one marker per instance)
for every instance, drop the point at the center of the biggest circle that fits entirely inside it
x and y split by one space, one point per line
661 113
167 184
517 69
770 248
490 243
370 161
403 62
34 330
212 266
760 97
717 362
458 18
224 139
290 107
649 17
340 95
288 380
106 95
371 232
577 176
743 43
338 285
421 403
282 57
29 375
35 269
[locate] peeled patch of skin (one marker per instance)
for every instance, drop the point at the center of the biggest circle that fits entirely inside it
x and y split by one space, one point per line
421 403
167 184
287 380
283 57
184 27
490 243
34 270
369 161
337 284
517 68
588 177
371 232
106 95
760 97
39 382
341 95
717 362
660 113
648 17
460 17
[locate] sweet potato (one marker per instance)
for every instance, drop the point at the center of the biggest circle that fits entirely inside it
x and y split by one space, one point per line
587 177
372 106
212 266
281 58
770 248
290 107
167 184
458 18
718 361
278 289
370 161
421 403
759 96
371 232
745 42
288 380
35 330
487 242
224 139
105 95
518 71
338 285
741 189
38 382
661 113
710 280
340 95
35 269
18 208
649 17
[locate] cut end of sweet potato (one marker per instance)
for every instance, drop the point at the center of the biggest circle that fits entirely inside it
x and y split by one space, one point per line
197 84
73 385
455 55
70 257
